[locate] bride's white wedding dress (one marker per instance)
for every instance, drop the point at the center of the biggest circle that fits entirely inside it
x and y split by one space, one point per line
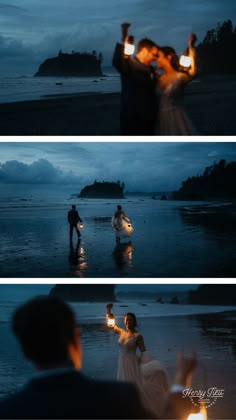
145 372
172 119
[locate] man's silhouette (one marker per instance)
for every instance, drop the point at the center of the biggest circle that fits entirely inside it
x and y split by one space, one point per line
73 219
138 108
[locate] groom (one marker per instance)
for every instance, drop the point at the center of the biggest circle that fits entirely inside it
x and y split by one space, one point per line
138 108
47 330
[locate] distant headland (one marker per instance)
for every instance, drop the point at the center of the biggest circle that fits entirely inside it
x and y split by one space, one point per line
103 190
84 292
216 182
75 64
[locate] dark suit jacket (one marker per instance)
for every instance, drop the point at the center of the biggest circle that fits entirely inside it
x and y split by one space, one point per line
138 97
70 395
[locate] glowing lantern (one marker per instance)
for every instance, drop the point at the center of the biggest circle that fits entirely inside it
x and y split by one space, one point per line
202 415
129 45
185 61
111 321
81 226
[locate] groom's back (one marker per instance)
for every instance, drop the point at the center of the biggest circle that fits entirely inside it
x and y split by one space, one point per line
70 396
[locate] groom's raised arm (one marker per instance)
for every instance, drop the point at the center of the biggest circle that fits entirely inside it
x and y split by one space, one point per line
120 61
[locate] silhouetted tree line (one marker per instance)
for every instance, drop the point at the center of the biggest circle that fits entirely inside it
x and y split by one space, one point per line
103 190
216 52
217 181
217 294
93 55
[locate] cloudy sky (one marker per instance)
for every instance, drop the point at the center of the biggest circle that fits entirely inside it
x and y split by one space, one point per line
32 30
150 167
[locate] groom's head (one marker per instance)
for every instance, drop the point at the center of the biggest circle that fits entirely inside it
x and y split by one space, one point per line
147 51
48 333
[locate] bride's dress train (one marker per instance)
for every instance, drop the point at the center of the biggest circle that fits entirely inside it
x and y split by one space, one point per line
145 372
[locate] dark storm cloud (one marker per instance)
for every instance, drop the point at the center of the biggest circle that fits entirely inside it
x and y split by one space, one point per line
45 27
38 172
150 166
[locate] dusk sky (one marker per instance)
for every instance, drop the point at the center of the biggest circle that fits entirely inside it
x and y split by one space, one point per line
31 30
148 167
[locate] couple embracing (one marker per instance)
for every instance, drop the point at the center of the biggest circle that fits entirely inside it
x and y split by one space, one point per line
152 103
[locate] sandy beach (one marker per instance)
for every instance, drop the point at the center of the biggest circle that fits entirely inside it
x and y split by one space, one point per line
210 103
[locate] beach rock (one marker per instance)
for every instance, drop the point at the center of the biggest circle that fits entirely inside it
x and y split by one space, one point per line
103 190
71 65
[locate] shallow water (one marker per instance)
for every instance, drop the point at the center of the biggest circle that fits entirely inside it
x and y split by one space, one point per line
25 88
169 240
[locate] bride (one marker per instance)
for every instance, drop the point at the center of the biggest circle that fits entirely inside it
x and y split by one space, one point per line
143 371
172 119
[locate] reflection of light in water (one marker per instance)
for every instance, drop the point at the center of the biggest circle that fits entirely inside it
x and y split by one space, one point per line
123 255
77 259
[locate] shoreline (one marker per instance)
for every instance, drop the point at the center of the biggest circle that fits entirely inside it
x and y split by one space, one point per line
210 104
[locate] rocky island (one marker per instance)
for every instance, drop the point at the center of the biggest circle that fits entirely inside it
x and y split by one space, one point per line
75 64
103 190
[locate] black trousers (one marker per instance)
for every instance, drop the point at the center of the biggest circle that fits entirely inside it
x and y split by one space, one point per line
72 227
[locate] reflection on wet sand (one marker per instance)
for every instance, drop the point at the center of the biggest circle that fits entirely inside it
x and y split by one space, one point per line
219 330
77 259
123 255
220 218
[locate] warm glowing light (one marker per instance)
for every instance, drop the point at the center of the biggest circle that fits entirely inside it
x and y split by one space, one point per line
185 61
198 416
129 48
81 225
111 320
202 415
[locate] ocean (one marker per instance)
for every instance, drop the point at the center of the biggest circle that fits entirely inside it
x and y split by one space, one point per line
171 239
166 329
16 88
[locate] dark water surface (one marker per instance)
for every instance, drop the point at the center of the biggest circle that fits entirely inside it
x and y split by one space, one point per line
170 239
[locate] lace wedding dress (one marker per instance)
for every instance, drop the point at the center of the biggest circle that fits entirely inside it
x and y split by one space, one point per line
145 372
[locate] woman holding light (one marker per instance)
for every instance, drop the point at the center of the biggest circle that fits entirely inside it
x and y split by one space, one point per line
172 120
143 371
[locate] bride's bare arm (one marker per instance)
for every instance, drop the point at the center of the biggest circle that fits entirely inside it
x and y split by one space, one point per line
117 330
140 343
192 71
192 54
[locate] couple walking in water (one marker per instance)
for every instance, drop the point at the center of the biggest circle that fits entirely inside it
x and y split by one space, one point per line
120 222
144 371
152 103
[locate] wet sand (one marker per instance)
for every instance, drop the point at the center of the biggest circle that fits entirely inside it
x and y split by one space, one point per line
210 103
211 335
181 243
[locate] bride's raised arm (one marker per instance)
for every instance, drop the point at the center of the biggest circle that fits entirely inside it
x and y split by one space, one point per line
192 54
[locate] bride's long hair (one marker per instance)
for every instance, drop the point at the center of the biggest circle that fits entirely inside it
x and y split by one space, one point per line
174 61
